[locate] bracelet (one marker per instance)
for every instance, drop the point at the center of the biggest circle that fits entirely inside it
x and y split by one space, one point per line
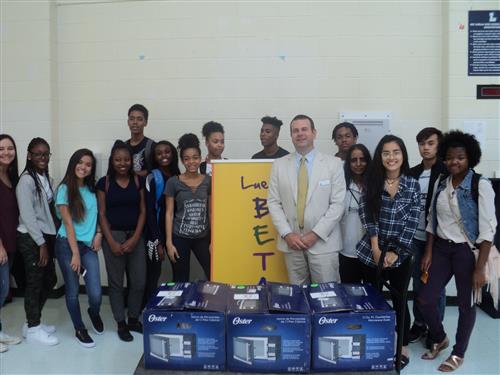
98 232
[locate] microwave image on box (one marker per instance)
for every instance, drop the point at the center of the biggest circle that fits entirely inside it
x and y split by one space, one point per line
248 304
331 302
333 348
210 289
247 349
169 346
356 290
283 290
168 301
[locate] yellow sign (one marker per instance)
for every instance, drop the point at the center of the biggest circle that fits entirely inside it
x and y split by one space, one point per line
243 235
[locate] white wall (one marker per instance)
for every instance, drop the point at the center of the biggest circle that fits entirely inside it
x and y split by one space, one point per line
460 90
70 71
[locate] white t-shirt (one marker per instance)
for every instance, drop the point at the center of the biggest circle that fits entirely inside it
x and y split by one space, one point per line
46 186
423 181
352 229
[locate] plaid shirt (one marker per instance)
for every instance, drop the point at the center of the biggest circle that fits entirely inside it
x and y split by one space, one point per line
397 222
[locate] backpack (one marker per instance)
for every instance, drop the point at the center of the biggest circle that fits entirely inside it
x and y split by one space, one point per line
159 189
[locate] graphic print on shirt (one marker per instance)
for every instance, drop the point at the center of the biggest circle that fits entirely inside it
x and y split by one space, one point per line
194 219
139 160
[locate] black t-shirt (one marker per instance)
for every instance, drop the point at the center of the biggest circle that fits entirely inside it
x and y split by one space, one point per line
122 204
278 154
141 154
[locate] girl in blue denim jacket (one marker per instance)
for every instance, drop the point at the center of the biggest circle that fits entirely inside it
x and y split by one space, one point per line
457 221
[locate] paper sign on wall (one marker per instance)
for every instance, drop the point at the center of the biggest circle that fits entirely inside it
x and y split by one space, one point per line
243 236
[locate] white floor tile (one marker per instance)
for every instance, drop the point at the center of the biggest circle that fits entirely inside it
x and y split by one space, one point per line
112 356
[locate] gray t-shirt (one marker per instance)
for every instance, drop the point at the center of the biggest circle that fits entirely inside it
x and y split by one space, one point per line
191 207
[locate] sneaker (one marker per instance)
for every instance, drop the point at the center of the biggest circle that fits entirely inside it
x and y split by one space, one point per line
84 339
47 328
417 332
3 348
97 323
9 340
123 332
39 335
134 325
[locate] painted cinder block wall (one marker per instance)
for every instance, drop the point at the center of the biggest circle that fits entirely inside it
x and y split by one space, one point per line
70 71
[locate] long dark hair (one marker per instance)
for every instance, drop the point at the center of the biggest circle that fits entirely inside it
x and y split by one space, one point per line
173 167
30 168
75 201
12 169
347 164
376 175
120 145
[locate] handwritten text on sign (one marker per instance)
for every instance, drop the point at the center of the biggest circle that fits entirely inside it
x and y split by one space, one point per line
244 238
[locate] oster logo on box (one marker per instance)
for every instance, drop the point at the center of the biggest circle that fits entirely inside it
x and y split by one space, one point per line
353 328
184 327
268 329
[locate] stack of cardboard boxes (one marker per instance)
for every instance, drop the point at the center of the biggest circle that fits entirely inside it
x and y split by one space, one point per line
268 328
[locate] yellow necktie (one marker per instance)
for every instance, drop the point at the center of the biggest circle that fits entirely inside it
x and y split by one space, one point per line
302 192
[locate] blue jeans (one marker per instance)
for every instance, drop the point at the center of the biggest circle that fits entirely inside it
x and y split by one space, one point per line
4 281
418 250
90 262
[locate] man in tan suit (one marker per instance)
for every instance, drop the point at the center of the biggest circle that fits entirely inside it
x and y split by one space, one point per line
306 201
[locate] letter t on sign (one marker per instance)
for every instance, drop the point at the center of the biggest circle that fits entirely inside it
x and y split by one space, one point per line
263 255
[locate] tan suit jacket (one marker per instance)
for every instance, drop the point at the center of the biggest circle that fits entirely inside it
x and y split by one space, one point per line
324 203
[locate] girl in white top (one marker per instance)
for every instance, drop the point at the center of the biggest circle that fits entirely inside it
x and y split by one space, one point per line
356 162
462 215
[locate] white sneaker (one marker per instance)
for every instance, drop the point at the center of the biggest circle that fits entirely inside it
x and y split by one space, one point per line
9 340
3 348
47 328
38 335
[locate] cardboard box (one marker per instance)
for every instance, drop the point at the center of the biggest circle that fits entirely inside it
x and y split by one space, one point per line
353 328
268 329
184 327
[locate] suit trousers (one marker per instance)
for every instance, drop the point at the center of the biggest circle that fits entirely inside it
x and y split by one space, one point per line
305 268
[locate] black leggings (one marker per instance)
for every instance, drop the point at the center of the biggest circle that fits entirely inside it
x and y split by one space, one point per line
351 270
201 249
396 277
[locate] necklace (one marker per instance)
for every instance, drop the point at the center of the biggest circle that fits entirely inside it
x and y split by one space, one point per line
391 181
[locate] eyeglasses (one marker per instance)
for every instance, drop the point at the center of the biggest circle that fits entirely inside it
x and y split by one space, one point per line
39 155
395 153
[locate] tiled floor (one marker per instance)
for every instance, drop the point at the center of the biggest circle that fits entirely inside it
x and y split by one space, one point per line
112 356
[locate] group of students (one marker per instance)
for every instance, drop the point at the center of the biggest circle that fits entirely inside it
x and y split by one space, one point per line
141 211
438 211
145 210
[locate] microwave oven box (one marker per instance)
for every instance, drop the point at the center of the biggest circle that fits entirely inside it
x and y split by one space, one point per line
184 327
353 328
268 329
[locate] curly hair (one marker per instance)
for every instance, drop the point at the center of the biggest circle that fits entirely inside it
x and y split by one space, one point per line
188 140
211 127
457 138
274 121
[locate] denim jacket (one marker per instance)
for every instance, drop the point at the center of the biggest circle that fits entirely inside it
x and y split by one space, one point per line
466 204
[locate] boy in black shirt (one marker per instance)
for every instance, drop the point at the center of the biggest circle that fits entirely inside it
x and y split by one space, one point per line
141 145
269 133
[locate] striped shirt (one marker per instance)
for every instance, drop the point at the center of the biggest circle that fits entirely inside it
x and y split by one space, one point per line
397 222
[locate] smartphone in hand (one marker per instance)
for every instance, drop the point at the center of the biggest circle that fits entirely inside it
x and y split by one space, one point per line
83 271
424 277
